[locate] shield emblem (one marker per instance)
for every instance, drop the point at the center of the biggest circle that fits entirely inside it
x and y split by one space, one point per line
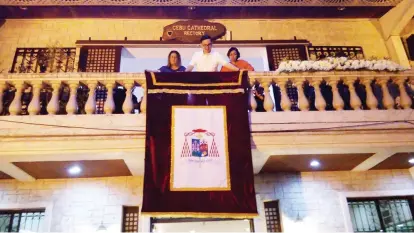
169 33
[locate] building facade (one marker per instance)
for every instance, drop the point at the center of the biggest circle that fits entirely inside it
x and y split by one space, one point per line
360 134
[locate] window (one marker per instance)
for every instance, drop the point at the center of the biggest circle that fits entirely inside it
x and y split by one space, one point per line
272 216
130 219
19 220
382 214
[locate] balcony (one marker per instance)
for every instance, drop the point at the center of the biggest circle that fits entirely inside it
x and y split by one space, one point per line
375 123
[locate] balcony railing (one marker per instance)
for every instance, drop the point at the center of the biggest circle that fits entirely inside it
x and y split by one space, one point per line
109 93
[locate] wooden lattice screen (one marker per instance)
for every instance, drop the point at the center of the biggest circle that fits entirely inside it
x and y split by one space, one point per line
272 216
130 219
278 53
320 52
43 60
100 59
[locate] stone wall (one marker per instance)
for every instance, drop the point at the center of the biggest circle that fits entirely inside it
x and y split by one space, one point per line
309 201
44 32
78 205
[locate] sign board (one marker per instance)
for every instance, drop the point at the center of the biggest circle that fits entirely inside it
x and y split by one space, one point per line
192 30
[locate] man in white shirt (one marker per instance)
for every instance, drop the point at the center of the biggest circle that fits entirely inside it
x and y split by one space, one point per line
206 60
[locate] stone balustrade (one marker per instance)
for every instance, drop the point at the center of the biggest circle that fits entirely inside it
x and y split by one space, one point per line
317 91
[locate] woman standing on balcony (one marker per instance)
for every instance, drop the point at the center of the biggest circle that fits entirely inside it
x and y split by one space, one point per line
174 63
234 56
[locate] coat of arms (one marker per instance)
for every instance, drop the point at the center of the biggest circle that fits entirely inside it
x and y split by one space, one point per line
202 144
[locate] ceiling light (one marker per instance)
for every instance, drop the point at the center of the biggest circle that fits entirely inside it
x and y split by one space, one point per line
341 8
74 170
314 163
411 161
23 8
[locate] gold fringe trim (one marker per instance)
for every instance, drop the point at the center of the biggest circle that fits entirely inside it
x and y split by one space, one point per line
199 215
239 81
196 92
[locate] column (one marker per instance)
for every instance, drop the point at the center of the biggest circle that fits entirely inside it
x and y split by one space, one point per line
268 102
337 101
284 99
354 99
16 104
371 101
405 99
252 100
320 102
109 104
144 98
303 102
72 105
34 105
128 105
90 105
387 99
53 105
2 89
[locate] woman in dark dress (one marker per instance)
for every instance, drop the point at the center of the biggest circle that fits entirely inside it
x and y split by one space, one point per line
174 63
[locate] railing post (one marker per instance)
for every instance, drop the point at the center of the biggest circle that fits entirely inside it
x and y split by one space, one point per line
16 104
284 99
371 101
268 104
143 105
405 99
128 105
252 100
337 101
109 104
354 99
303 102
387 99
320 102
90 105
53 105
34 105
72 105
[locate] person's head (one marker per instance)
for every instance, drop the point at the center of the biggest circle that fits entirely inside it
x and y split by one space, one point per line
206 43
174 59
233 54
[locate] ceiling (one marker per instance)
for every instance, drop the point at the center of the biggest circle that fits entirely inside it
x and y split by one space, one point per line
59 169
300 163
396 161
185 12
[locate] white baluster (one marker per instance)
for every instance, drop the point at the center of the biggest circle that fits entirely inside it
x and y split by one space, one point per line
53 105
268 104
252 100
320 102
303 102
337 101
90 105
109 105
405 99
354 99
284 99
128 104
16 104
144 99
72 105
387 99
34 105
371 101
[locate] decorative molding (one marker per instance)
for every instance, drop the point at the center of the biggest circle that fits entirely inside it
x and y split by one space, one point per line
229 3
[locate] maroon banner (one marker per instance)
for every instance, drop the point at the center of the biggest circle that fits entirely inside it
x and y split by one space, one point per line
165 90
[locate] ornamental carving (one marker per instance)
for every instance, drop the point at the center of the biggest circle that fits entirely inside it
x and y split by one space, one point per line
234 3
